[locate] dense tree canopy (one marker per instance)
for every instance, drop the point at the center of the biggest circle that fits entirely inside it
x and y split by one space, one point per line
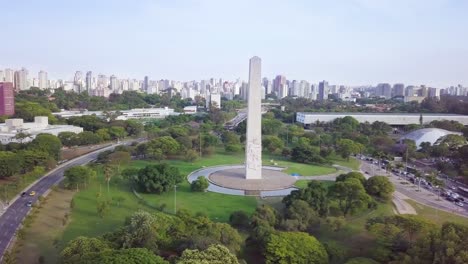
214 254
295 247
47 143
77 176
157 178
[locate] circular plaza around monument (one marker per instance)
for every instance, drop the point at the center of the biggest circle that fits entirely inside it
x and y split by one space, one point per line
230 179
272 179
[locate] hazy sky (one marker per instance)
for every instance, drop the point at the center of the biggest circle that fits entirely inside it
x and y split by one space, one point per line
343 41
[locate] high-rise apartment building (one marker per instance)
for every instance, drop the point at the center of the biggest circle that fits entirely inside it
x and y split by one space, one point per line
145 84
43 81
7 99
78 82
114 85
279 83
89 81
2 76
21 80
398 90
323 91
384 90
9 75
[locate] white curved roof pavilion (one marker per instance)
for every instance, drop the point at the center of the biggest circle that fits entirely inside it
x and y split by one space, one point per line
431 135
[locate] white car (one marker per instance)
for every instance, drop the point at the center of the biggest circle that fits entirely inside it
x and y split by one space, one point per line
459 204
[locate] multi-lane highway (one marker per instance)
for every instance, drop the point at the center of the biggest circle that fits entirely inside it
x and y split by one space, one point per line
11 219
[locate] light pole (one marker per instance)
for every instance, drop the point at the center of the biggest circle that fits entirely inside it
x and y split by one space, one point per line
175 199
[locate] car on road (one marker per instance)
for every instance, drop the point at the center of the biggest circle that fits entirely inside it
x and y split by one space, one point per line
366 172
29 204
23 194
459 204
32 193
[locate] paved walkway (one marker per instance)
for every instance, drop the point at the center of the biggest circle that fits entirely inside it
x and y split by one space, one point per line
205 172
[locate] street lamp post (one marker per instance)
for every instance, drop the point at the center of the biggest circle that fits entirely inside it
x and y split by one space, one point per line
175 199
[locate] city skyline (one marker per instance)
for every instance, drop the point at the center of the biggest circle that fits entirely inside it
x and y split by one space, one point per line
357 42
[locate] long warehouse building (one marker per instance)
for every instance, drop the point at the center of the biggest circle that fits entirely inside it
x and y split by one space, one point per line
393 119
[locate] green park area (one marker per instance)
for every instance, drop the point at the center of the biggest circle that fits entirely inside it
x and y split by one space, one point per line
86 221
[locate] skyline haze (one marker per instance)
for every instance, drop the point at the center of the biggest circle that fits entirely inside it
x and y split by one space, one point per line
356 42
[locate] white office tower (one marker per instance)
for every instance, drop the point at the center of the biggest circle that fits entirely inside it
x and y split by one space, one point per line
9 75
253 150
43 81
2 76
21 80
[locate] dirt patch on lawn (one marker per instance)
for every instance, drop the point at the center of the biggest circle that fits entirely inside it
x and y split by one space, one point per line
41 237
70 153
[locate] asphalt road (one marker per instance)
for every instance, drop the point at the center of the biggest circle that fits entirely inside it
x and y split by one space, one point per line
17 211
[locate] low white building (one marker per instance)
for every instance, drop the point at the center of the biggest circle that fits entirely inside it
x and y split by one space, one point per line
146 113
12 127
393 119
191 109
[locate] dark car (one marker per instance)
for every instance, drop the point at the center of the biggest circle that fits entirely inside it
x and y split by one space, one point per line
29 204
23 194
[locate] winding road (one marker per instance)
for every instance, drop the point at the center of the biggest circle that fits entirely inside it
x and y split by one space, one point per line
12 218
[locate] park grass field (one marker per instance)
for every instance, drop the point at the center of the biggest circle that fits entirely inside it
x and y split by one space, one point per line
45 230
437 216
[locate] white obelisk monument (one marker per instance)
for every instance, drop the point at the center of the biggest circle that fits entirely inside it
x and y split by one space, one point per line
253 150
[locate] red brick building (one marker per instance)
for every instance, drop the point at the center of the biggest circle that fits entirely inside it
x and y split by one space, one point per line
7 99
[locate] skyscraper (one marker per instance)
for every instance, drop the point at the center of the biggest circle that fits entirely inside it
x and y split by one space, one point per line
78 82
279 81
43 81
253 149
145 84
7 99
398 89
114 83
89 81
21 80
2 76
9 75
323 91
384 90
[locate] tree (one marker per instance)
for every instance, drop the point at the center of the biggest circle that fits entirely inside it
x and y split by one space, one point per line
191 155
138 231
123 256
164 146
200 184
47 143
21 136
294 247
346 147
352 175
78 175
214 254
307 154
299 216
158 178
350 195
272 144
315 194
118 158
102 208
134 128
80 246
271 126
9 164
29 159
116 132
239 219
380 186
103 133
88 138
28 110
68 139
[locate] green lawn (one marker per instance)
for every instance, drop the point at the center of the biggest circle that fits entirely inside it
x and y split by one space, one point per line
437 216
85 220
351 163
